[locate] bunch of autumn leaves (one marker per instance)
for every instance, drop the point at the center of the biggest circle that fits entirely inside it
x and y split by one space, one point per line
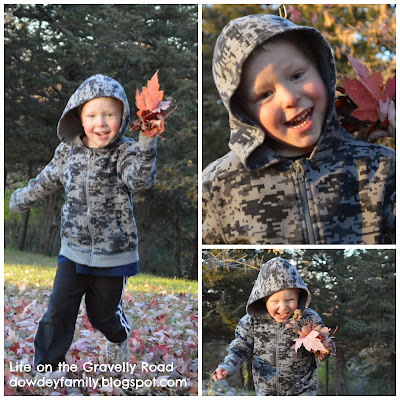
152 109
315 338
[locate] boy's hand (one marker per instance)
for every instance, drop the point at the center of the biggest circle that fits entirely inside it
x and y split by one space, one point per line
392 119
218 374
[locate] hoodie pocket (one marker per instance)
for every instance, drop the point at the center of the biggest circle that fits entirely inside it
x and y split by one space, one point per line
112 235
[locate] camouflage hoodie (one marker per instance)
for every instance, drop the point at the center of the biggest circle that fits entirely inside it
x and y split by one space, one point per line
344 192
97 223
277 371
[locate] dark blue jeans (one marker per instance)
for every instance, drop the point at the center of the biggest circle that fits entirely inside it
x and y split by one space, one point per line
103 299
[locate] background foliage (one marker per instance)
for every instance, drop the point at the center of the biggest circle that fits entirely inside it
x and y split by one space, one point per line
351 289
50 49
367 32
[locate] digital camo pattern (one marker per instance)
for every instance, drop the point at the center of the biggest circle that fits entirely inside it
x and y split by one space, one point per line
344 192
277 371
97 223
276 274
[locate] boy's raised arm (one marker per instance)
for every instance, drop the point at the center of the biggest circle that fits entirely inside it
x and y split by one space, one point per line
137 163
47 182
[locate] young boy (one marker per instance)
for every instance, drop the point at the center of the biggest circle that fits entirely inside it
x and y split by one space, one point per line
98 167
262 334
294 175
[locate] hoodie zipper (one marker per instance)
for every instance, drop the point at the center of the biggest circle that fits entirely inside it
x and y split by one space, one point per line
277 360
300 175
88 205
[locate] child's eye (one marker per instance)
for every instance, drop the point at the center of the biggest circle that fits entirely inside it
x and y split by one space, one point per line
297 75
266 95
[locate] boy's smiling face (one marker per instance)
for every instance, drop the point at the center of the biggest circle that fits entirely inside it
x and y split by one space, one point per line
283 91
281 305
101 120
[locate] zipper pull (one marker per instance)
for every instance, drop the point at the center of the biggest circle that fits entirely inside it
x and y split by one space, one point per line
299 171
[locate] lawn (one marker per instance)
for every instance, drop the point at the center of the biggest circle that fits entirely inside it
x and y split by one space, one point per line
20 267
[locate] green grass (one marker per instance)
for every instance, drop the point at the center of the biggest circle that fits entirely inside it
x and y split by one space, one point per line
23 268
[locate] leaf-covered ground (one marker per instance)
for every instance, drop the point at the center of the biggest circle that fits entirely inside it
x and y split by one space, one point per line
164 334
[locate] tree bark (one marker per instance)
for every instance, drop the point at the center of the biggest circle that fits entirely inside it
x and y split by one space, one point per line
249 381
50 223
391 375
24 228
142 212
194 267
340 372
177 239
326 377
23 231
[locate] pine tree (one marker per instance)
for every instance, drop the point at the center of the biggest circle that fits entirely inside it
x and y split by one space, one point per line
51 48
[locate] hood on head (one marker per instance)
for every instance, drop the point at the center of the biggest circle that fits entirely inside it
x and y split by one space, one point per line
236 42
70 126
275 275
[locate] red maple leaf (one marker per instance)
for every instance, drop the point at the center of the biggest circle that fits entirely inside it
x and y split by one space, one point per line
14 347
151 108
369 93
160 349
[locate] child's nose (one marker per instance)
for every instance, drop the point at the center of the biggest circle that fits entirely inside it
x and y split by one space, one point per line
283 307
289 97
101 121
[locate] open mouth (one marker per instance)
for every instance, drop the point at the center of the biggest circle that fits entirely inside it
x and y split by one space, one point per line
300 120
102 133
282 316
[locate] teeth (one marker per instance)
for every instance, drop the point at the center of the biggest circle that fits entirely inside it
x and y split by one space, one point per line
301 116
305 114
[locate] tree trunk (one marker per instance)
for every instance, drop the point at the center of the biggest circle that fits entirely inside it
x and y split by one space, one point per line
326 377
23 231
249 381
142 212
340 372
194 267
24 228
177 239
50 223
391 375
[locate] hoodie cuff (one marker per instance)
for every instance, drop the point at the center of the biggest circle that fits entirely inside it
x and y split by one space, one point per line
148 142
230 370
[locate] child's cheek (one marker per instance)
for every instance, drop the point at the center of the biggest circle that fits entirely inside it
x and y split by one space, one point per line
315 90
268 117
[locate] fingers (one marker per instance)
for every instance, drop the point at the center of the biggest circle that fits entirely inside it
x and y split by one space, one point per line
218 374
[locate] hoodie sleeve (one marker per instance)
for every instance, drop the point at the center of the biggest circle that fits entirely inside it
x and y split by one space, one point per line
137 163
47 182
212 231
390 204
241 348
